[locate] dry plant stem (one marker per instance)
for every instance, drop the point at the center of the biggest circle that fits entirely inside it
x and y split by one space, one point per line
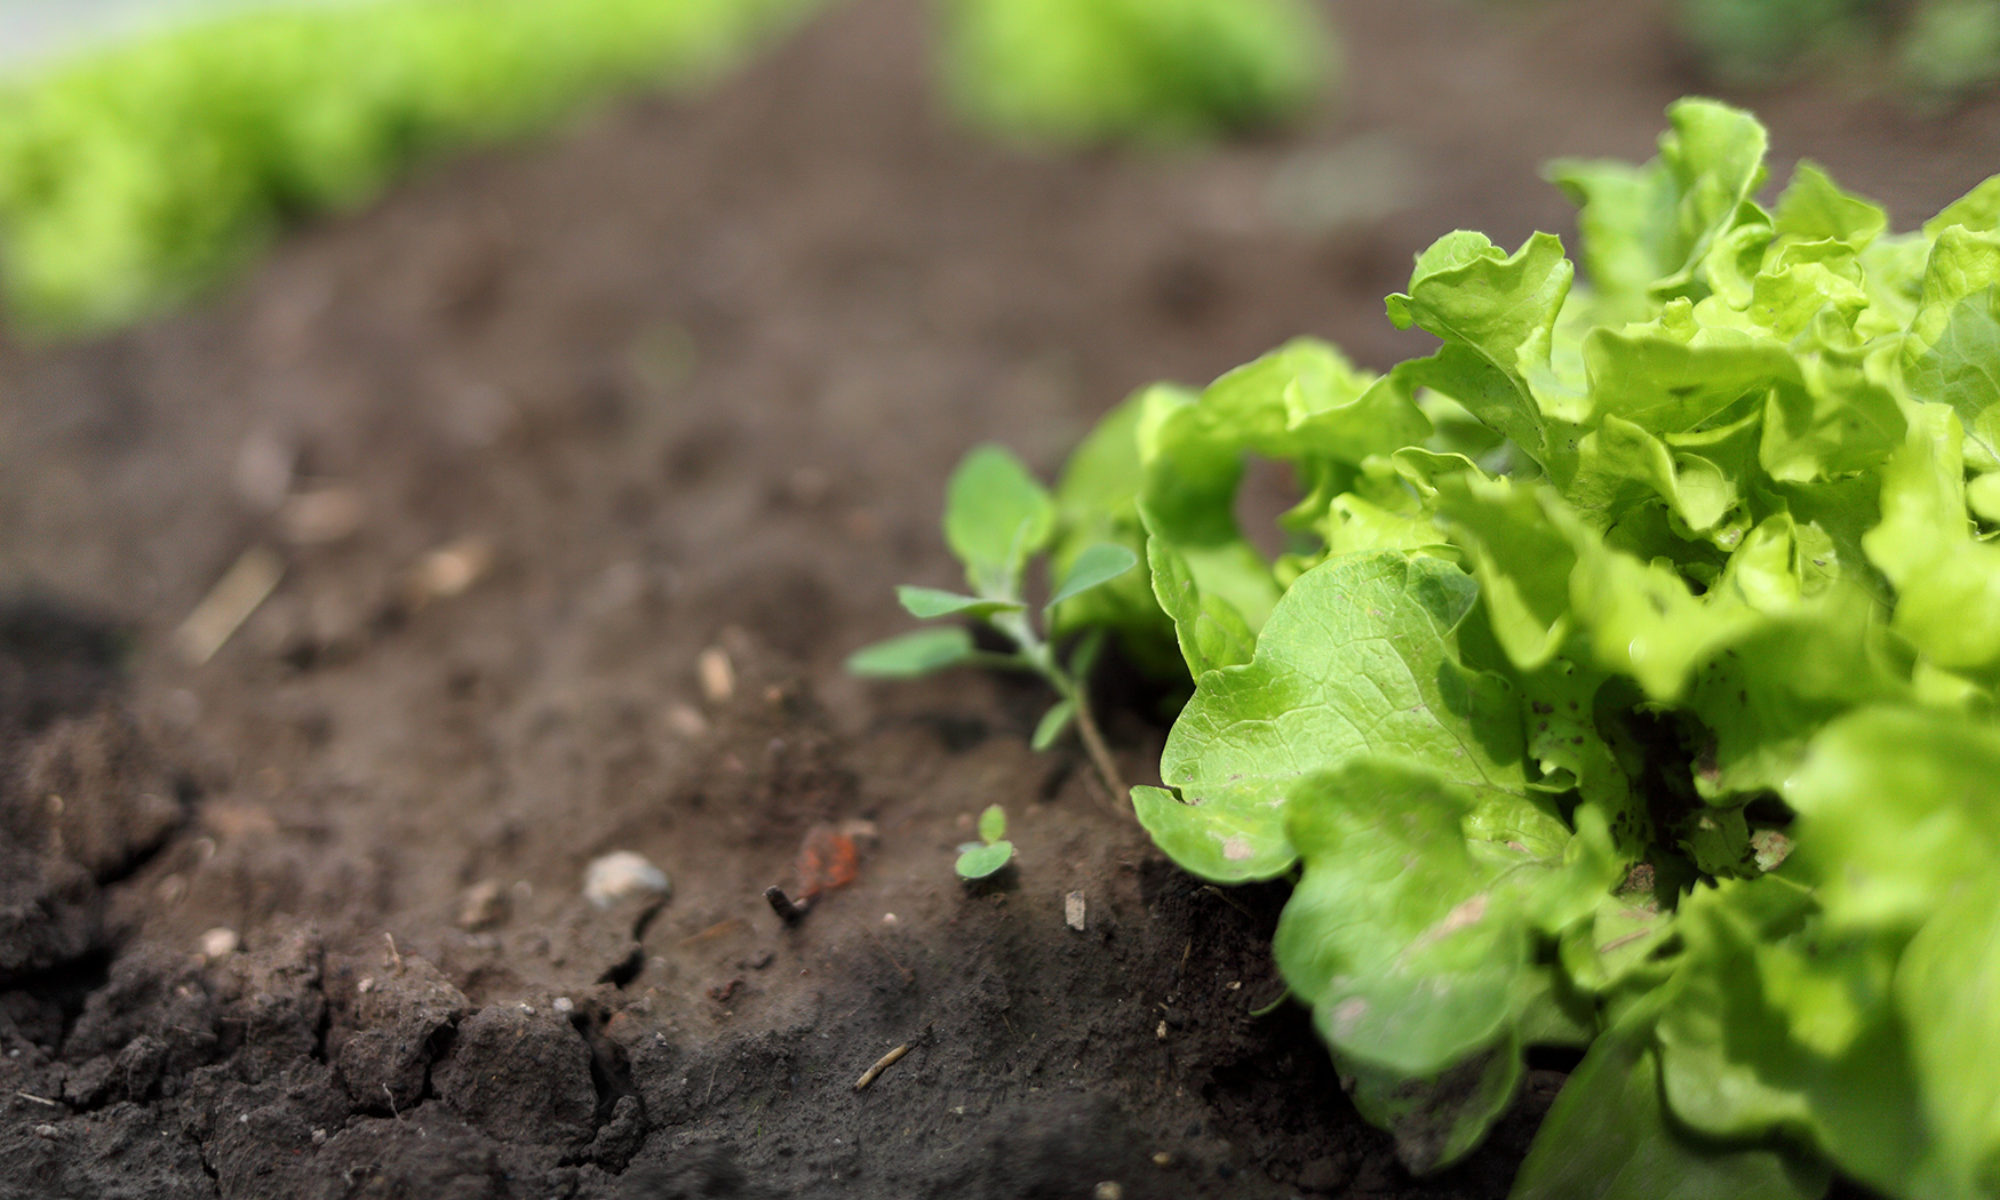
884 1063
790 911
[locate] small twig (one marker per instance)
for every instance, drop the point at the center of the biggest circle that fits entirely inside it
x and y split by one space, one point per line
39 1099
398 1116
239 593
881 1064
395 955
790 911
1225 897
716 930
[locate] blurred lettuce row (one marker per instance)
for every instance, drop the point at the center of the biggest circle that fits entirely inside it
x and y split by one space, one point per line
134 175
1162 71
1940 47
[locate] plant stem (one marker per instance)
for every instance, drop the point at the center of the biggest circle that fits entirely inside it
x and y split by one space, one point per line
1100 753
1038 656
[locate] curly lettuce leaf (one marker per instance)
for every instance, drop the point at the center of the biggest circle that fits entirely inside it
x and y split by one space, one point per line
1412 932
1358 659
1610 1137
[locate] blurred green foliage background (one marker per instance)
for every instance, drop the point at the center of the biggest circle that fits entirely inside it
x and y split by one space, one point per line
137 173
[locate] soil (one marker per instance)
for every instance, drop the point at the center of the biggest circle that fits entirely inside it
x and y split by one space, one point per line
586 464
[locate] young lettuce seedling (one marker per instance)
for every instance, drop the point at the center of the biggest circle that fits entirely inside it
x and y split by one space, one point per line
997 519
985 857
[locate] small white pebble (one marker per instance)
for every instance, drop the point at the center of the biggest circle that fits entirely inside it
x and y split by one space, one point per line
1108 1191
563 1004
366 985
687 721
1073 911
890 919
449 571
219 943
45 1131
620 875
482 906
718 675
321 516
319 1137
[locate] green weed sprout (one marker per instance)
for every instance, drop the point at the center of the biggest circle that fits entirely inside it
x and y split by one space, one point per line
997 519
992 852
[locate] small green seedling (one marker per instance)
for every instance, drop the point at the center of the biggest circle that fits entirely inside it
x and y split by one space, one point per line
997 519
985 857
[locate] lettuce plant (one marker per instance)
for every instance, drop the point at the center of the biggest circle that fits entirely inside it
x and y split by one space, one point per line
141 172
1069 71
1628 686
1940 49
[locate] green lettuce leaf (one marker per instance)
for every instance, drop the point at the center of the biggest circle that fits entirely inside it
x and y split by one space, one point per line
1357 660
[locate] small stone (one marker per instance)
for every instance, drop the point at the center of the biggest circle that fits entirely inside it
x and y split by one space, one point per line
622 875
45 1131
219 943
686 721
1163 1159
448 571
321 516
718 675
1073 911
563 1005
1108 1191
482 906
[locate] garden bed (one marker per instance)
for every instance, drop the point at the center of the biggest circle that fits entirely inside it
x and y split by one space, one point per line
587 465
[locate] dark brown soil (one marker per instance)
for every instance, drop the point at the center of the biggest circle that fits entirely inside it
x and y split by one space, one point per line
686 382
